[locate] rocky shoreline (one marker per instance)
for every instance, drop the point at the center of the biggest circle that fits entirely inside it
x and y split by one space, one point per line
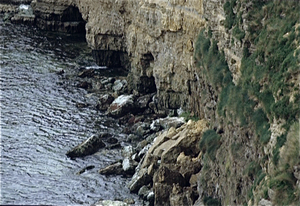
163 157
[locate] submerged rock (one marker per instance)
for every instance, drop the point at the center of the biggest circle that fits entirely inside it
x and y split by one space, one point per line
85 169
88 147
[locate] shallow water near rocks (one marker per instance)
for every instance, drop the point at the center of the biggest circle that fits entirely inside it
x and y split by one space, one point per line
40 123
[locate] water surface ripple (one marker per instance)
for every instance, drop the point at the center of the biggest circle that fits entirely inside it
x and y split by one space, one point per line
40 123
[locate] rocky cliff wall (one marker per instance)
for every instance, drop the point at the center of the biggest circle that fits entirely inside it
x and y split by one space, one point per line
241 74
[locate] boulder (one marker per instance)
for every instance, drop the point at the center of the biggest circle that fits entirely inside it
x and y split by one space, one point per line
88 147
129 166
119 86
181 196
104 102
113 169
139 179
144 191
121 106
167 122
143 101
167 176
162 194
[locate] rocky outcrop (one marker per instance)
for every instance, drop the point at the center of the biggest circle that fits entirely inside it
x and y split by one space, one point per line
171 164
58 16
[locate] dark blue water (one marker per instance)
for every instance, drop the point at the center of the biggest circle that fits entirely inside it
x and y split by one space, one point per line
40 123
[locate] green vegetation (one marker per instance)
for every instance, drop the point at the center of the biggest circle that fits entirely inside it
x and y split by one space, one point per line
283 182
212 61
210 201
188 116
210 143
266 90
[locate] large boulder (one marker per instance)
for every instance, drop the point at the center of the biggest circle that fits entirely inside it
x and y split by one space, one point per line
88 147
121 106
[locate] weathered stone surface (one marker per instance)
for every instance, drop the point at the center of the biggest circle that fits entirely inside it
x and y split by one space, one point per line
144 191
139 179
113 169
58 16
143 101
181 197
162 194
167 176
121 106
104 102
85 169
88 147
129 165
168 122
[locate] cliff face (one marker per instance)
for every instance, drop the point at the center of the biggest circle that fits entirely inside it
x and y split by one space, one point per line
241 74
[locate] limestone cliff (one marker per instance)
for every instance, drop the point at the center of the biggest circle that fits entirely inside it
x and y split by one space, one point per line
234 63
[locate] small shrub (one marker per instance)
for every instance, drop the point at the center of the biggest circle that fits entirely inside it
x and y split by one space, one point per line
261 126
210 143
210 201
187 116
285 190
238 33
230 16
252 169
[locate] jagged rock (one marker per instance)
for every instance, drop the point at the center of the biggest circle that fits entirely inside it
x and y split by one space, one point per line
168 122
109 80
88 147
121 106
24 15
167 176
113 169
162 194
85 169
181 196
150 198
143 101
127 151
129 165
58 16
87 73
104 102
120 86
139 179
144 191
141 129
